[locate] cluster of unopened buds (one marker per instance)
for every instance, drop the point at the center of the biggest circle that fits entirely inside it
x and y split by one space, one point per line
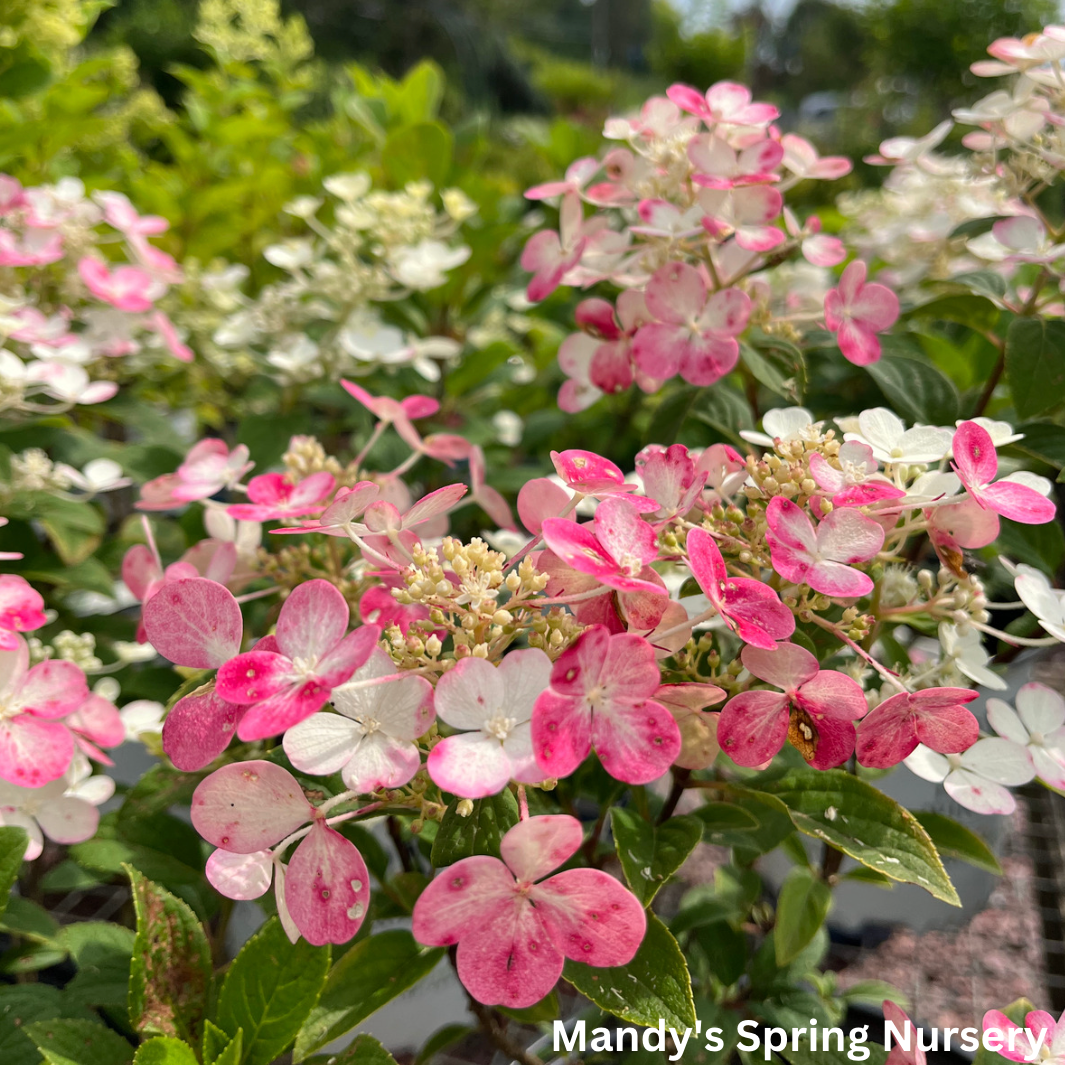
689 222
67 306
470 670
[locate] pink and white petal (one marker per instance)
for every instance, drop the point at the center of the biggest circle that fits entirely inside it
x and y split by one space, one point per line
254 676
470 693
538 499
140 570
322 744
380 762
1049 762
706 562
511 961
996 1021
753 727
623 533
525 675
1042 709
561 732
312 489
823 250
435 503
405 708
947 729
876 307
518 747
240 876
538 845
53 688
194 622
578 547
198 729
636 741
974 453
676 293
858 344
338 664
471 765
327 887
1018 502
848 536
34 752
784 665
1004 720
591 917
68 819
659 348
706 359
826 476
313 619
467 895
833 578
790 526
628 670
98 720
1001 761
249 806
758 615
832 694
726 312
978 794
281 711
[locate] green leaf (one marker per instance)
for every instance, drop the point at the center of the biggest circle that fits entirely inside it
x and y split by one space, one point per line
66 1042
20 1006
774 825
269 990
861 821
1045 441
170 973
873 993
12 848
953 840
364 1050
802 907
766 372
480 833
864 875
233 1052
654 985
75 529
214 1040
916 389
650 855
721 817
982 282
418 152
730 898
974 227
102 952
374 971
977 312
1039 545
441 1039
164 1050
27 918
831 1056
1035 365
421 92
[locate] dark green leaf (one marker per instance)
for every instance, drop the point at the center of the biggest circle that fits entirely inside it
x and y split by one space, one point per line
774 825
654 985
718 817
650 855
1038 545
441 1039
802 907
29 919
982 282
66 1042
864 875
916 389
102 952
725 948
460 837
75 529
977 312
20 1006
1035 365
374 971
269 990
766 372
170 974
364 1050
1045 441
12 848
954 840
974 227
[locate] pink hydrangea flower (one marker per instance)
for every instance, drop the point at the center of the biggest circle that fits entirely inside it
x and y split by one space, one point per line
744 213
492 705
671 478
249 807
120 213
815 709
719 166
802 159
515 925
578 174
725 103
856 312
21 609
549 256
293 675
35 746
399 413
590 474
691 335
816 247
378 606
857 482
748 607
614 550
97 724
935 717
127 288
1015 497
273 496
33 247
1037 725
822 558
208 468
602 696
339 518
370 738
1042 1038
980 777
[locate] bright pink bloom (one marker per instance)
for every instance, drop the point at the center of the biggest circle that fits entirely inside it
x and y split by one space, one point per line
725 103
590 474
815 710
578 174
899 1055
856 312
120 213
311 654
935 717
858 481
549 256
198 729
97 724
128 287
169 335
514 928
21 609
748 607
274 497
601 696
208 468
492 705
692 335
399 413
370 738
671 478
976 463
746 214
338 519
614 550
1040 1039
35 747
822 558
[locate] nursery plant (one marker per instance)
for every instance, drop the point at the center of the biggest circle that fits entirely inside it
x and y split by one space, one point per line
435 676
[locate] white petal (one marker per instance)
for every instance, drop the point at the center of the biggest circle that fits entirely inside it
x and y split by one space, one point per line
999 760
240 876
928 764
68 819
322 743
1049 764
381 762
1041 708
525 675
979 795
1004 720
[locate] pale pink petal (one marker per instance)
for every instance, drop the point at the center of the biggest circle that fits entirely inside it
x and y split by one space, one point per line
536 846
833 578
785 665
327 887
706 359
848 536
790 526
1042 709
313 619
68 819
240 876
538 499
194 622
658 349
978 794
472 765
858 344
876 307
622 531
140 570
469 694
34 752
676 294
380 761
53 688
1018 502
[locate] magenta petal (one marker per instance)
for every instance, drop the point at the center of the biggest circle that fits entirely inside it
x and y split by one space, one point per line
949 729
461 899
835 744
887 734
578 547
1018 502
561 733
538 499
348 655
198 729
760 618
974 453
34 752
753 727
635 741
327 887
194 622
833 694
254 676
591 917
249 806
282 710
536 846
